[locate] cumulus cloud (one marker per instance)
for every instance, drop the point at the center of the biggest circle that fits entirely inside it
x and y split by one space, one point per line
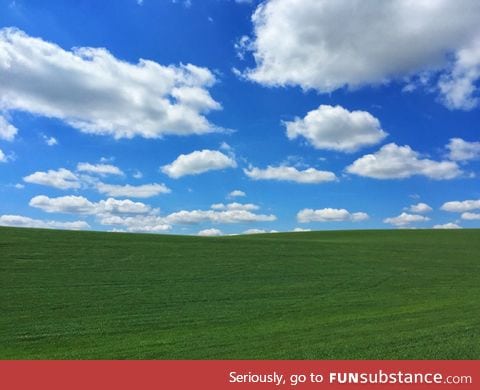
461 206
234 206
400 162
214 216
139 217
7 130
236 194
285 173
62 179
21 221
50 141
457 85
336 128
198 162
210 233
79 205
137 174
405 219
136 223
470 216
65 204
3 158
449 225
299 229
99 169
419 208
300 43
95 92
65 179
140 191
258 231
126 214
460 150
329 215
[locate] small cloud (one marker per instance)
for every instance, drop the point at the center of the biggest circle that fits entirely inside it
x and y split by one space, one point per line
7 130
330 215
137 174
419 208
236 194
99 169
50 141
405 219
198 162
226 147
460 150
298 229
449 225
210 233
142 191
258 231
292 174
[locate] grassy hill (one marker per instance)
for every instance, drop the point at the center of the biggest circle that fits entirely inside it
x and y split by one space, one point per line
318 295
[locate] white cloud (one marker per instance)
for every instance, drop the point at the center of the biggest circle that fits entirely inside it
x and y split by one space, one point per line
329 215
79 205
236 194
299 229
99 169
62 179
224 216
399 162
198 162
139 217
301 43
21 221
405 219
125 214
137 174
457 86
460 150
141 191
124 206
226 147
258 231
284 173
234 206
50 141
471 216
7 130
95 92
64 204
137 223
3 158
210 233
449 225
419 208
461 206
335 128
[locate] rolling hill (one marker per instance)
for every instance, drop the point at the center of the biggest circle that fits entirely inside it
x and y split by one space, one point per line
393 294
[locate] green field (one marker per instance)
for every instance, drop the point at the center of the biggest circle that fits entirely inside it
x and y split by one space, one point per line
397 294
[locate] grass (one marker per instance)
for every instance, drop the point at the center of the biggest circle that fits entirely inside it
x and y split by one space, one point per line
318 295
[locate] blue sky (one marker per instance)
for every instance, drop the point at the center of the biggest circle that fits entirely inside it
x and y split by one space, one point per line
222 116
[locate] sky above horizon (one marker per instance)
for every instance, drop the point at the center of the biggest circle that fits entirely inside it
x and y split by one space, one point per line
233 116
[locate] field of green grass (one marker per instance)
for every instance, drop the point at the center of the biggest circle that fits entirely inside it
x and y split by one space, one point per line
397 294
